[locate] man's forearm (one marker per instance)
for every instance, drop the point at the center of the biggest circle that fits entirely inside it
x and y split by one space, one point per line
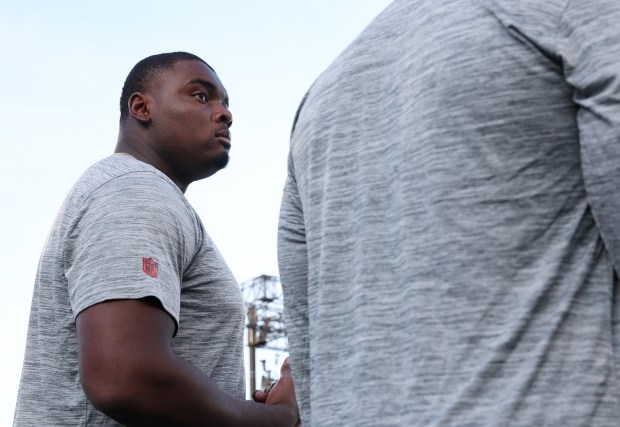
173 392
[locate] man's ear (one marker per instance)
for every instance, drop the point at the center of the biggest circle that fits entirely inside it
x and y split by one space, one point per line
139 107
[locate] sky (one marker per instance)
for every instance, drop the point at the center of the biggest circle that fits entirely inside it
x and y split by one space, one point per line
64 65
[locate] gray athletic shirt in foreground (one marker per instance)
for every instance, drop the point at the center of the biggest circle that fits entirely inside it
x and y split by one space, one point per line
119 218
450 229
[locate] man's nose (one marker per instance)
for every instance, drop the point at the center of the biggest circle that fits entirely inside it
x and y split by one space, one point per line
224 115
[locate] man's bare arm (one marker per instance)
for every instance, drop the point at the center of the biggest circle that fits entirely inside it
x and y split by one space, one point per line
129 372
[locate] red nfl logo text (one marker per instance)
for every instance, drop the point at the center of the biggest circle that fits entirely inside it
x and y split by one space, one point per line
150 266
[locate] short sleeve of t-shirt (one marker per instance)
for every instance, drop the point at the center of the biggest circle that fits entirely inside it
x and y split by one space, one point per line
130 238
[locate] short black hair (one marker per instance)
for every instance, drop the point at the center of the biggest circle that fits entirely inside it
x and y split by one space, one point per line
144 73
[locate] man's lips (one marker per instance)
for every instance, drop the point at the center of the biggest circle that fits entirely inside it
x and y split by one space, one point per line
224 136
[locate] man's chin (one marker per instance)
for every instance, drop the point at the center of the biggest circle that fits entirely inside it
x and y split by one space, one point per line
221 161
215 165
218 163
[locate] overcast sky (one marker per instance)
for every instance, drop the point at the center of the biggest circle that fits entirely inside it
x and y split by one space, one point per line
64 63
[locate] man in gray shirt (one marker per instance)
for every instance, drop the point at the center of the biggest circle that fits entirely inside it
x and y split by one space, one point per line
136 318
449 239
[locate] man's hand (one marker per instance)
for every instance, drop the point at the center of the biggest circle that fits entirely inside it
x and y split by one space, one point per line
280 392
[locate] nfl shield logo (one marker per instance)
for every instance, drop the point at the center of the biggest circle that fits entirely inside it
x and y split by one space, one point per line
150 266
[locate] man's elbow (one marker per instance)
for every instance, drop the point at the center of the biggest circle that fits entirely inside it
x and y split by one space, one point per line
113 393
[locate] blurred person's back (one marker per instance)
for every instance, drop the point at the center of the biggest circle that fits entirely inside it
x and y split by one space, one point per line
450 229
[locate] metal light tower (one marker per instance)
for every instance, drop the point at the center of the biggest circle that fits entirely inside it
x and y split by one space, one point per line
265 323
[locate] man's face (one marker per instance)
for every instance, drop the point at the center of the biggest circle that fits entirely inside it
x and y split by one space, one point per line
190 121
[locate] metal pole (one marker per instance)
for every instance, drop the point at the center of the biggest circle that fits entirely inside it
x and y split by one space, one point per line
252 345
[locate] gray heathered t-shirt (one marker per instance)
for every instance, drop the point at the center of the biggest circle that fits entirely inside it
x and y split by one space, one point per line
126 231
449 240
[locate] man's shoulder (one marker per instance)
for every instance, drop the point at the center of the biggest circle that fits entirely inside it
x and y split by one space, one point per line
119 173
120 183
119 165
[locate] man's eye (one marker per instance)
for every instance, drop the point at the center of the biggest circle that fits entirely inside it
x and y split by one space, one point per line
201 96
